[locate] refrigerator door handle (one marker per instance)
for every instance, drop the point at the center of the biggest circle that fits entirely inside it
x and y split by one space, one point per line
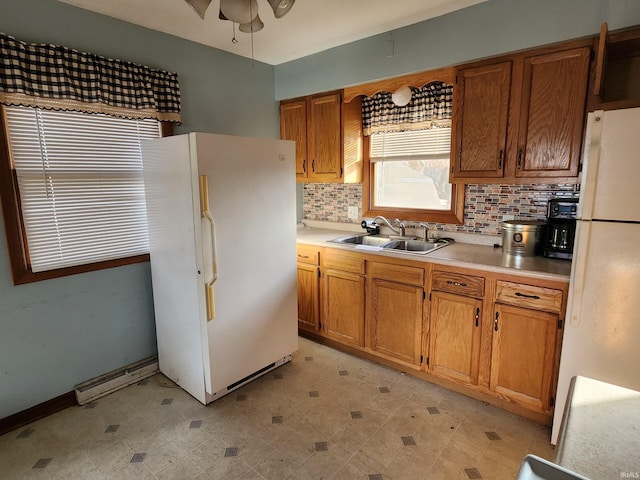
578 274
206 214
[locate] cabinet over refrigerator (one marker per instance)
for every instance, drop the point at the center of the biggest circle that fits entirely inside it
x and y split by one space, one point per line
222 235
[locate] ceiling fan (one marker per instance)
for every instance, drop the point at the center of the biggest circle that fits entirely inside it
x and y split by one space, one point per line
243 12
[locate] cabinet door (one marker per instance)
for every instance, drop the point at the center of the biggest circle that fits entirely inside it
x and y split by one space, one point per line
293 126
343 307
481 108
396 320
455 336
523 354
308 311
552 114
324 136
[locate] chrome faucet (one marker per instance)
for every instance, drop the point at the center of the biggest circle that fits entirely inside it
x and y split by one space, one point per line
425 231
388 224
401 226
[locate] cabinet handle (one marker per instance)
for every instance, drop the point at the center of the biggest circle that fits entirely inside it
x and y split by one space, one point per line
304 165
313 165
495 322
477 317
456 284
303 256
500 156
535 297
520 158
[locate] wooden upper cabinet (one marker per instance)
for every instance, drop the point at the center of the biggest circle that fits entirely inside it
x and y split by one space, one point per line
552 114
617 69
481 108
521 118
293 126
324 136
328 136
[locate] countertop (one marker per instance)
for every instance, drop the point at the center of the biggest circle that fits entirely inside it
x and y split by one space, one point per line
467 255
600 435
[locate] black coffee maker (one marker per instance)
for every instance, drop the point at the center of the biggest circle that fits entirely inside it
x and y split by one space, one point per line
561 228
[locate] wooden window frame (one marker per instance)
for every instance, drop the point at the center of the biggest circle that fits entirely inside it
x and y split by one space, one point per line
455 215
14 226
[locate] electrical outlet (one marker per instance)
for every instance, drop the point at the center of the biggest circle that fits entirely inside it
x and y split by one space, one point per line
506 218
353 213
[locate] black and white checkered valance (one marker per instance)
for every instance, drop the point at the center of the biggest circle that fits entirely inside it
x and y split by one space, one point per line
60 78
430 106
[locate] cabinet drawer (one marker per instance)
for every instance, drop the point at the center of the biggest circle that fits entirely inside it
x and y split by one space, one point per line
308 254
538 298
345 261
458 283
397 273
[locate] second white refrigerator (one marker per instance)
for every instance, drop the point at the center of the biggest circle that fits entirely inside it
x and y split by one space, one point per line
602 333
222 234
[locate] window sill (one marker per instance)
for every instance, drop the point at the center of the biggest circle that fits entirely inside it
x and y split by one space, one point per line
23 275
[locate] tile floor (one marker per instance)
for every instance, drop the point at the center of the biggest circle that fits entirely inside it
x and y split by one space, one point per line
325 415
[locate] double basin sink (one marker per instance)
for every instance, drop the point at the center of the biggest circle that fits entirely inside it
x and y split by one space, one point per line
393 244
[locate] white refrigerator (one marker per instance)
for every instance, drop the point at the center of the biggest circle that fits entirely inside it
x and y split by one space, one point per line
222 235
602 332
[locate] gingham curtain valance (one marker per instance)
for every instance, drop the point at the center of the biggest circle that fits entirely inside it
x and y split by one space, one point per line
60 78
430 106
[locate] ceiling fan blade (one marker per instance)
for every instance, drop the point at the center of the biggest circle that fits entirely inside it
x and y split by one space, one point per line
200 6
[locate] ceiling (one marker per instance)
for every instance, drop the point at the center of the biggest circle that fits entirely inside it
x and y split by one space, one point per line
310 26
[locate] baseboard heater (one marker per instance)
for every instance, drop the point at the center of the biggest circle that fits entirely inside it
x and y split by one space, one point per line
110 382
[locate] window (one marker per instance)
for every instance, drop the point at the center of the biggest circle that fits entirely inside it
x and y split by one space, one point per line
407 162
411 169
72 191
409 177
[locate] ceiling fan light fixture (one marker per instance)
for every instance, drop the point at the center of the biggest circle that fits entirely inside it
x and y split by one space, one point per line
239 11
200 6
281 7
254 26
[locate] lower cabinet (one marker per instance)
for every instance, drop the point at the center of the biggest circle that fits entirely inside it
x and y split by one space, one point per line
343 307
343 297
483 330
308 288
396 321
308 311
455 337
523 355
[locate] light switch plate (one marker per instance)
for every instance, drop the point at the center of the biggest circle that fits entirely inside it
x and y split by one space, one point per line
353 213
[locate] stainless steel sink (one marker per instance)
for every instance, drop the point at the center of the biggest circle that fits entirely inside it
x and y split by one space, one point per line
370 240
403 245
416 246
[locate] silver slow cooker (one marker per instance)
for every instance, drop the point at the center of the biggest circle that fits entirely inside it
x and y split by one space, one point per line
522 237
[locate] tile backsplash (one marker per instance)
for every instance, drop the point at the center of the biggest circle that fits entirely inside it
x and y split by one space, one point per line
485 205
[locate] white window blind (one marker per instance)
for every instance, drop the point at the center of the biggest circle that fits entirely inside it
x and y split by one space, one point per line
410 169
81 186
434 143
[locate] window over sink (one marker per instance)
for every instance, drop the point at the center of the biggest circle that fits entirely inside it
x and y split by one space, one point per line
407 157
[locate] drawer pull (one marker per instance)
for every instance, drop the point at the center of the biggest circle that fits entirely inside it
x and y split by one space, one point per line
477 317
495 322
307 256
535 297
456 284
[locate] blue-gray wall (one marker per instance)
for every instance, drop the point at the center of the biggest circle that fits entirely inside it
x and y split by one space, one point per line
483 30
57 333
